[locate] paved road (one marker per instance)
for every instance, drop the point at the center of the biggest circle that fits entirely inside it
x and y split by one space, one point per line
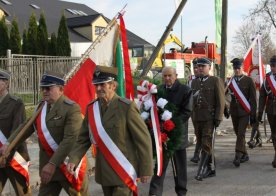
255 177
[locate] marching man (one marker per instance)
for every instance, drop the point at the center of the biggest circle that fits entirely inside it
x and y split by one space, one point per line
242 108
114 125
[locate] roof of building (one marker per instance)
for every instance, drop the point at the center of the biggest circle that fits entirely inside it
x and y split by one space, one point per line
76 14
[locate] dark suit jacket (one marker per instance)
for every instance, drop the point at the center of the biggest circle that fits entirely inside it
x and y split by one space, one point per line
182 97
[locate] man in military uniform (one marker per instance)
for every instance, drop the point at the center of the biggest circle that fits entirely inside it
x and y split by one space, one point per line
181 96
208 107
242 108
12 114
195 158
57 125
267 100
114 125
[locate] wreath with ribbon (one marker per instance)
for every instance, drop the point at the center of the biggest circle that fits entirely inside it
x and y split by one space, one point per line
161 118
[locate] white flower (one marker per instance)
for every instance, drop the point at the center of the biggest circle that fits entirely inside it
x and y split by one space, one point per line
147 105
145 115
161 103
167 115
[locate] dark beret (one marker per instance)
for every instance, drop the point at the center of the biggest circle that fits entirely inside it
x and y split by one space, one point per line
4 74
103 74
50 78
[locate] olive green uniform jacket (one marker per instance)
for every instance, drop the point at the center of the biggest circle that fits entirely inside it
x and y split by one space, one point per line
12 114
125 127
248 89
209 99
63 122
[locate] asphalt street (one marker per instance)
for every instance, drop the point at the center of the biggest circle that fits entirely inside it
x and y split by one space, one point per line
255 177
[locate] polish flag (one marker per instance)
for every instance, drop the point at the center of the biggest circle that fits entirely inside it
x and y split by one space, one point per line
253 58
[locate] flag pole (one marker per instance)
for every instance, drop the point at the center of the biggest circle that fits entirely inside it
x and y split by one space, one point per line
92 46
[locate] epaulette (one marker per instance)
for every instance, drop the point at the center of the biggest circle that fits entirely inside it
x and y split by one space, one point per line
69 101
125 100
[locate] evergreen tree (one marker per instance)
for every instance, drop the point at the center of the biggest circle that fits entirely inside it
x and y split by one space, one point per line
42 36
63 43
52 50
4 37
15 39
32 35
25 43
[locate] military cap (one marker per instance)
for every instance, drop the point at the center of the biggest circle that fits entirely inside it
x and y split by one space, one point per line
50 78
237 63
4 74
273 60
103 74
204 61
195 61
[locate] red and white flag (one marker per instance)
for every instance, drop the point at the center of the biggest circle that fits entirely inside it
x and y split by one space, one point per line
253 59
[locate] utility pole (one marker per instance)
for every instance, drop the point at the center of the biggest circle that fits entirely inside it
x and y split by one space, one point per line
224 39
163 38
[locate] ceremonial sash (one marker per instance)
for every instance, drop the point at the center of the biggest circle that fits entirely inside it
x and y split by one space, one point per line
272 83
111 152
50 146
239 95
18 163
145 92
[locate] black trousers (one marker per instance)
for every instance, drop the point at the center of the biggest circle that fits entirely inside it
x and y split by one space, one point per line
180 161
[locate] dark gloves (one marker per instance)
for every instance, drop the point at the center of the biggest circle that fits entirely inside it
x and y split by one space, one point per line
260 117
252 119
216 123
226 112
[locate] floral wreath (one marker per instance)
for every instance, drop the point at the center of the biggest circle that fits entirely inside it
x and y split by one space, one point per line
170 123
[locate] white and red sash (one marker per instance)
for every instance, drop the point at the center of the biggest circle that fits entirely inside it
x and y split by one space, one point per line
50 146
18 163
272 83
111 152
239 95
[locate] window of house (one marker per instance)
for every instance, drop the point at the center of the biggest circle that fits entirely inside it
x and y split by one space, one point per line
35 6
99 30
6 2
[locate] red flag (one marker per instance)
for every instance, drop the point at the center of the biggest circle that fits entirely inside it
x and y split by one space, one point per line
80 88
128 77
253 60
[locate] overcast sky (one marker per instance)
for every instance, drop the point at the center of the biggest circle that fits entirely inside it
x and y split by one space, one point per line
149 18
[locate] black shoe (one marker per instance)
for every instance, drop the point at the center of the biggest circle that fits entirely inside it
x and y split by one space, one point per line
251 144
244 158
274 161
209 173
258 142
237 159
195 158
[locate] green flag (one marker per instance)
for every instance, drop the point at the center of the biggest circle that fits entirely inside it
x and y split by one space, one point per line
218 12
119 65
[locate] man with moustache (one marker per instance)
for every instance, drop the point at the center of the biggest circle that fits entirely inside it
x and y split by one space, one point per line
57 126
114 125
